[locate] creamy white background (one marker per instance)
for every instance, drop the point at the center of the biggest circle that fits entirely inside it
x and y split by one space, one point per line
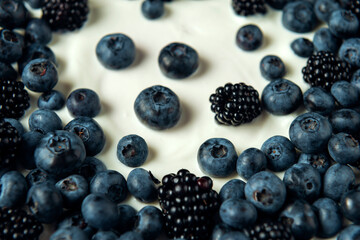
209 26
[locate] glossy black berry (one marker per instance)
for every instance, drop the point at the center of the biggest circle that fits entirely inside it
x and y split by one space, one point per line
323 69
269 230
248 7
188 204
235 104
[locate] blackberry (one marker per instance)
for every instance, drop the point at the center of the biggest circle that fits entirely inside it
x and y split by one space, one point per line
355 8
14 99
188 204
17 224
9 141
323 69
235 104
248 7
65 15
269 230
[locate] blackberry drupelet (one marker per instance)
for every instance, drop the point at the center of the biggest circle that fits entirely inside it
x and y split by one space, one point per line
14 99
323 69
355 8
9 141
65 15
17 224
248 7
235 104
188 204
269 230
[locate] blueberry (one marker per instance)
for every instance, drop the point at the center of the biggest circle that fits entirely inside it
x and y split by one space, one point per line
152 9
90 167
349 52
35 51
344 148
116 51
7 71
345 94
343 23
132 150
338 180
324 8
302 47
319 161
317 99
35 3
350 206
345 120
250 161
220 230
233 188
158 107
238 213
69 233
280 153
110 183
13 14
11 46
149 223
277 4
73 189
40 75
178 60
249 37
329 217
272 67
27 147
90 133
44 121
301 218
310 132
281 97
104 235
52 100
83 102
141 185
60 153
325 40
75 219
217 157
266 191
16 124
99 211
299 16
351 232
38 31
37 176
234 235
13 189
127 218
302 181
355 79
45 202
131 235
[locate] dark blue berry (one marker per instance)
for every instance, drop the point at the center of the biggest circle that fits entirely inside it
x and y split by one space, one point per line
35 51
217 157
317 99
325 40
251 161
310 132
344 148
116 51
38 31
52 100
13 189
272 67
299 16
13 14
351 232
158 107
343 23
141 185
83 102
234 188
90 133
302 47
110 183
320 161
350 206
281 97
324 8
349 52
11 46
238 213
280 153
345 94
27 147
40 75
355 79
44 121
69 233
127 218
266 191
75 219
249 37
37 176
73 189
132 150
178 60
345 120
149 223
152 9
90 167
220 230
